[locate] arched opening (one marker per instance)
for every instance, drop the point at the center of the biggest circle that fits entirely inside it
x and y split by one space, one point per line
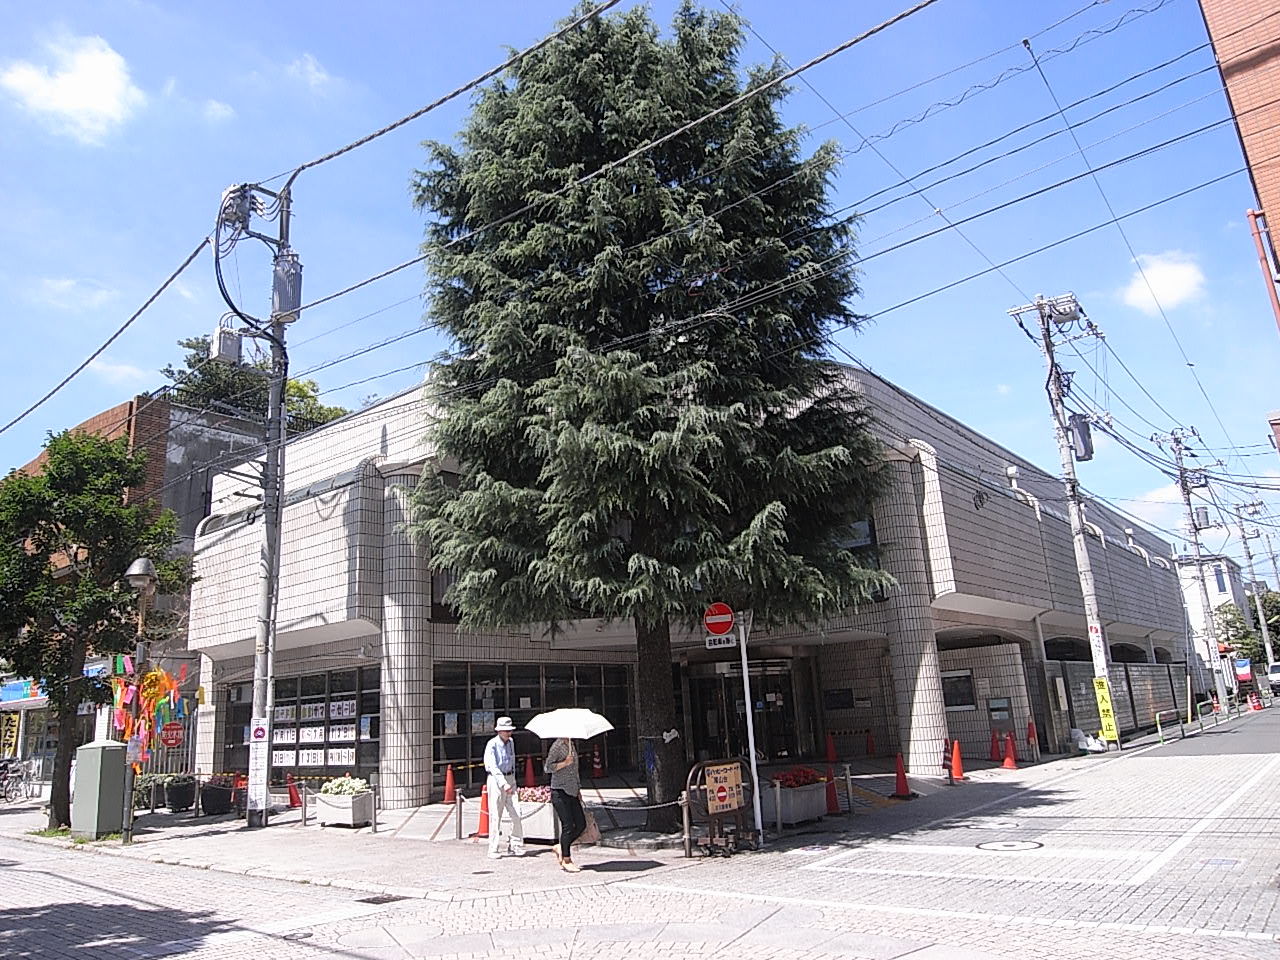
1163 655
1128 653
1067 648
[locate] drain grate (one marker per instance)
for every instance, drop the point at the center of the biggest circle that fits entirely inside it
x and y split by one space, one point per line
382 898
1010 846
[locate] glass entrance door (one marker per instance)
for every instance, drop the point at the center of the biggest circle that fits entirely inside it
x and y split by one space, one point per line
781 710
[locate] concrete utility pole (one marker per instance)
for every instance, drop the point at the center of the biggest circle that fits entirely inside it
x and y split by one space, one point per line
1063 313
1177 439
1275 569
1245 536
286 298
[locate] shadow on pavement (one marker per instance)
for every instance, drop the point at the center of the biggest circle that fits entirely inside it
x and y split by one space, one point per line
621 866
100 930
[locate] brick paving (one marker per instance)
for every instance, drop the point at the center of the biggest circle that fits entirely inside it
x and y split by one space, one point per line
1164 852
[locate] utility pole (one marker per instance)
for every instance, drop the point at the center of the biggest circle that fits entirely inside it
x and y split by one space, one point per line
1275 570
239 203
1253 576
1063 315
1177 439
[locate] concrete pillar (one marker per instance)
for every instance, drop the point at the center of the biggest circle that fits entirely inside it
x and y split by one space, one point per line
913 648
405 761
210 722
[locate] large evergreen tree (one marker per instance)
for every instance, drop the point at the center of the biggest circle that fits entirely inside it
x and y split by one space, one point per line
638 433
67 536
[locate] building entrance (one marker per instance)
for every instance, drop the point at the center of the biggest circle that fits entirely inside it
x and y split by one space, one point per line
784 710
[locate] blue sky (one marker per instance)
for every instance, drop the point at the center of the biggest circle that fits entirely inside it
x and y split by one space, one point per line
122 122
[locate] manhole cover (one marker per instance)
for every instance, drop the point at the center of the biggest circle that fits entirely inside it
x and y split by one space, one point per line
381 898
988 824
1010 846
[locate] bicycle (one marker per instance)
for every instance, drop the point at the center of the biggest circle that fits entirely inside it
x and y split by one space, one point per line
11 787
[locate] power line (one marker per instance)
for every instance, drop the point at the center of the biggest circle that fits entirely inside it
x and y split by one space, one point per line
1129 246
451 95
111 339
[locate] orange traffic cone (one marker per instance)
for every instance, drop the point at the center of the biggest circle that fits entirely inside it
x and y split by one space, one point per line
831 748
1010 752
295 800
995 747
529 780
597 764
901 790
871 744
957 766
833 801
450 790
483 829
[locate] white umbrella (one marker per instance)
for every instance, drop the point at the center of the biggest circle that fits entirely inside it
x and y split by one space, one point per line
573 722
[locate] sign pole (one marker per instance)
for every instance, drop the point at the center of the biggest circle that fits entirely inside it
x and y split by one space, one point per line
751 728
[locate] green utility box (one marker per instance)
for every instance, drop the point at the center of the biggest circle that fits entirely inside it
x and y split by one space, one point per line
97 809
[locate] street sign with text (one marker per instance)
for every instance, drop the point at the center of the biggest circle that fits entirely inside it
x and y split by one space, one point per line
718 619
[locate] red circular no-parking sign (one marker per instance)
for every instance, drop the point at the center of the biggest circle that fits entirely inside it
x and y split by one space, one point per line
722 794
171 734
718 619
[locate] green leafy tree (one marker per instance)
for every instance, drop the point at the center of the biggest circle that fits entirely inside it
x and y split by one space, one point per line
1236 631
243 387
631 446
67 535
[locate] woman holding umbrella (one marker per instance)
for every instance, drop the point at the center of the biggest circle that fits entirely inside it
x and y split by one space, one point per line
566 800
565 726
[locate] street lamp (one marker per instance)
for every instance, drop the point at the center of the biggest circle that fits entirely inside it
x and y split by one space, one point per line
142 577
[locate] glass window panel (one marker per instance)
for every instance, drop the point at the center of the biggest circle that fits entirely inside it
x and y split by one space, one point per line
287 689
370 678
488 686
451 686
314 685
342 681
559 686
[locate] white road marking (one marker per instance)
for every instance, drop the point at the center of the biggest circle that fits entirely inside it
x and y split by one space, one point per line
997 877
996 918
1168 853
957 850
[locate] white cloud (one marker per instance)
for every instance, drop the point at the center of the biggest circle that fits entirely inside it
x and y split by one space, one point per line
66 293
1174 276
119 374
1161 507
86 94
215 111
310 71
1003 389
182 290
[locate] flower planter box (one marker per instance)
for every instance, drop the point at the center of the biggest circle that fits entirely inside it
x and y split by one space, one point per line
214 800
352 810
180 796
539 821
798 803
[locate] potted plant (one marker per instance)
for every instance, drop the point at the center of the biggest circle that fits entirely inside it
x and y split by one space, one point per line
536 813
215 794
148 790
345 800
179 792
800 792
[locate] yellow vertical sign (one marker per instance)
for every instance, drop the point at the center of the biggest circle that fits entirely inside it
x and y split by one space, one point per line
724 788
1110 731
9 734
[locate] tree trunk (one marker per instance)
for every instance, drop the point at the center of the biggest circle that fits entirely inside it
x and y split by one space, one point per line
663 763
66 709
60 788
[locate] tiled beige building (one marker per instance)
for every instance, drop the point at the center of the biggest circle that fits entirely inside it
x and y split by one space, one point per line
984 631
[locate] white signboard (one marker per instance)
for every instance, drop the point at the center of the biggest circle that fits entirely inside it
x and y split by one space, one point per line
259 762
721 643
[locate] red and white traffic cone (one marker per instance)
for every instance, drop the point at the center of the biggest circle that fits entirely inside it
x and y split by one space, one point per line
482 830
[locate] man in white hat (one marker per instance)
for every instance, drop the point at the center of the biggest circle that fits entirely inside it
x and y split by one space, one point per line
500 764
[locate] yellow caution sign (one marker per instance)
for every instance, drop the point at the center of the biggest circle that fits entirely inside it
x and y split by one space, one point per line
1110 732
